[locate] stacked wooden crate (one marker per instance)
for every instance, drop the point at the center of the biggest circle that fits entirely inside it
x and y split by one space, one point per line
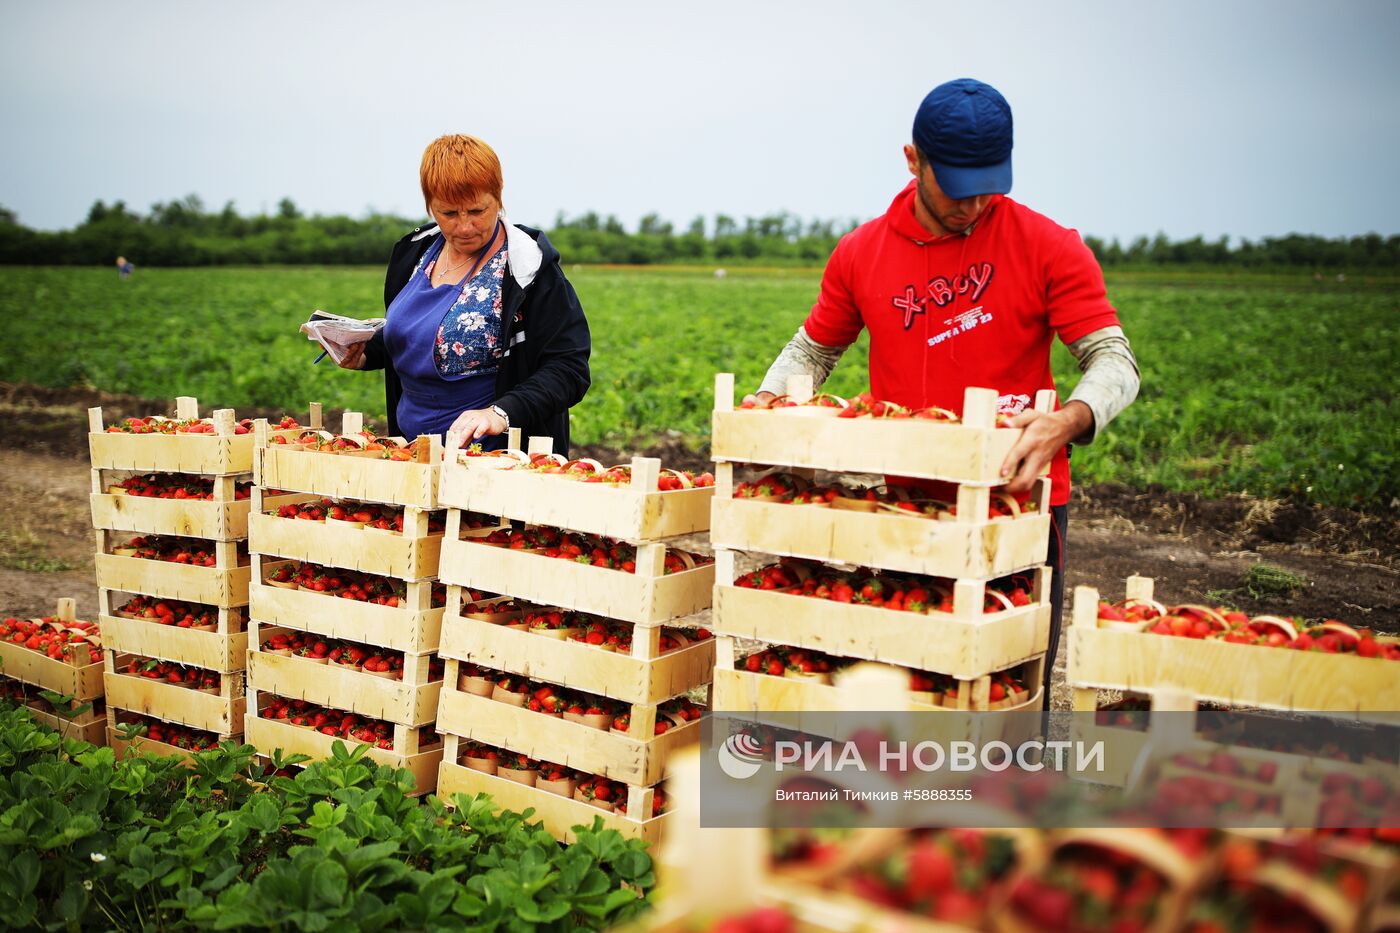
644 678
390 710
967 646
28 668
156 613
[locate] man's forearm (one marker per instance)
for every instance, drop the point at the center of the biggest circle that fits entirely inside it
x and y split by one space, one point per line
1110 381
802 356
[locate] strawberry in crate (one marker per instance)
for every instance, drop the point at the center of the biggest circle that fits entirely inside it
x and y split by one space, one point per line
1091 888
951 875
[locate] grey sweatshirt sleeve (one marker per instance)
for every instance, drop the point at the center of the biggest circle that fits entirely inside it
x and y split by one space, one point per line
1111 379
803 356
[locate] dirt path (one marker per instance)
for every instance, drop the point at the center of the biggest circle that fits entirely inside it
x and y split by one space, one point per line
1198 550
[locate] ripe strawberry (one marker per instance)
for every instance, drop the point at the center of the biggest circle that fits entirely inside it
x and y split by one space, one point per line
930 870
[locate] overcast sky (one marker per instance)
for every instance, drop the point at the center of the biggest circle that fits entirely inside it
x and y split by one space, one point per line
1251 118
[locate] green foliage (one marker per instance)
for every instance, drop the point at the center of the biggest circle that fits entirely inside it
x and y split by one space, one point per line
182 233
1278 385
1265 580
89 841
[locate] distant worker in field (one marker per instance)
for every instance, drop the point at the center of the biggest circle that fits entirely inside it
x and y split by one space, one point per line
483 332
124 267
961 286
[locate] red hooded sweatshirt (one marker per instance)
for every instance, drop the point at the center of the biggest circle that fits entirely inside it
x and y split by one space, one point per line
950 311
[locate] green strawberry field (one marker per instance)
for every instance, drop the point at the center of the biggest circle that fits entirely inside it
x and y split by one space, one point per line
1275 385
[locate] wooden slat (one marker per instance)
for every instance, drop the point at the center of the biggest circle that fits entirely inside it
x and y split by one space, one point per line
33 667
550 738
268 735
218 521
970 453
631 597
560 815
212 586
336 545
989 548
401 628
622 512
960 646
350 477
341 688
1235 675
576 665
209 650
174 703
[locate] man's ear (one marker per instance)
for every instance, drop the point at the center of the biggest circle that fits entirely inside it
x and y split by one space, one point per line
911 156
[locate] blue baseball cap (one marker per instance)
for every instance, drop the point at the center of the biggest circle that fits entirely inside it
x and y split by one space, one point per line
963 128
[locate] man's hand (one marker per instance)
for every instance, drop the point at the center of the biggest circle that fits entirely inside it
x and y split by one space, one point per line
758 400
471 426
355 358
1042 438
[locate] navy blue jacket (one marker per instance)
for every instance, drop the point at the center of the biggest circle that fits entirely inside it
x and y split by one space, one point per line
544 369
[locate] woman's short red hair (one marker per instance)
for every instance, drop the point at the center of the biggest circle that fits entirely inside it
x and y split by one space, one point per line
457 168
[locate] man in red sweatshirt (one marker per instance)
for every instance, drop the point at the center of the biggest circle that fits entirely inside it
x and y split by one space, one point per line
961 286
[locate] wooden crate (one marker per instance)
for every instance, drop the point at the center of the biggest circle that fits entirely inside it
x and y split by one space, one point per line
81 682
1221 672
646 596
558 814
626 758
221 650
971 452
971 546
224 585
139 745
218 519
89 727
220 712
632 678
636 513
405 556
413 627
873 687
209 650
219 454
965 643
407 701
353 475
268 735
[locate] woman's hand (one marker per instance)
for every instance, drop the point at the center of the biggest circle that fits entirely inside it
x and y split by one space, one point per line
355 359
471 426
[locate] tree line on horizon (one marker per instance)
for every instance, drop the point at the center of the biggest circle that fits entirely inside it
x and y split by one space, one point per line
183 233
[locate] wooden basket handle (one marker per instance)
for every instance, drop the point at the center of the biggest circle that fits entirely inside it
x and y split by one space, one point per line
508 453
1136 601
1277 622
586 461
686 481
1002 597
1340 628
943 414
1205 612
1008 500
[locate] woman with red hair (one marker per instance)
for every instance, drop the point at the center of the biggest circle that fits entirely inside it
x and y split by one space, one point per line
483 332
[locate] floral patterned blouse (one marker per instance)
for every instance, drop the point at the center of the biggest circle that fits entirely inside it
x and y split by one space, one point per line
468 336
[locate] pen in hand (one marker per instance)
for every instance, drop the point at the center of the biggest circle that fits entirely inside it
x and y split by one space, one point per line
324 354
